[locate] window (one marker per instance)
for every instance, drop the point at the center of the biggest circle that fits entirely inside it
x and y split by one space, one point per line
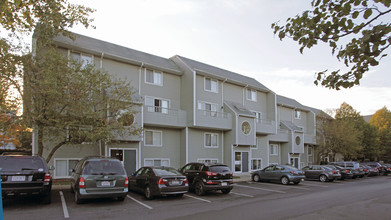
63 167
309 151
251 95
153 77
256 164
209 108
153 138
210 85
208 160
211 140
258 115
81 58
157 162
297 114
273 149
157 105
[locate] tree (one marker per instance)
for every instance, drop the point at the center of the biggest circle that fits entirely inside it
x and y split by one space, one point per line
363 24
382 121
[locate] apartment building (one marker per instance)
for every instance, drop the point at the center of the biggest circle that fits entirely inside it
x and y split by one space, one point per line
192 111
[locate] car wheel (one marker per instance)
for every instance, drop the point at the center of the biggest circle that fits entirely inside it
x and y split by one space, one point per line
256 178
322 178
78 200
121 198
47 199
284 180
225 191
297 182
199 189
148 193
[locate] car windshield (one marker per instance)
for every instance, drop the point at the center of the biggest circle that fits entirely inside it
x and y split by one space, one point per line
166 171
108 167
21 163
219 169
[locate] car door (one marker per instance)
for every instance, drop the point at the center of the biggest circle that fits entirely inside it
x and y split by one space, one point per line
133 179
143 178
192 172
307 172
316 171
267 173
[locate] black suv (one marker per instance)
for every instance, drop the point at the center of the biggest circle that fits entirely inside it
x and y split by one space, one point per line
205 177
25 175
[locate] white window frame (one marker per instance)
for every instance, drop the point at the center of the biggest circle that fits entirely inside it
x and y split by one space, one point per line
67 166
252 93
297 114
260 165
156 159
155 77
214 89
158 109
214 107
211 135
256 144
207 160
84 62
275 151
153 144
308 151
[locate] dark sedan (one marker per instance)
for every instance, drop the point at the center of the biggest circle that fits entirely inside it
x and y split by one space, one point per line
345 172
156 181
321 173
279 173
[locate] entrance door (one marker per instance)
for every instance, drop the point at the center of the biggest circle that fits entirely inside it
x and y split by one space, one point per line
241 161
127 156
295 162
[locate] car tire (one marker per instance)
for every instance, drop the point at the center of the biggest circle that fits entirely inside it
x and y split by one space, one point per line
121 198
199 189
256 178
296 183
284 180
331 180
323 178
78 200
47 199
225 191
148 193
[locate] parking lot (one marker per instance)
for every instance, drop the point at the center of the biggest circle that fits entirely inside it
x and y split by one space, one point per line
137 207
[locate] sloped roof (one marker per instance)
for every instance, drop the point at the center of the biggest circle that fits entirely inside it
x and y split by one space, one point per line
239 109
319 112
291 126
117 52
223 74
285 101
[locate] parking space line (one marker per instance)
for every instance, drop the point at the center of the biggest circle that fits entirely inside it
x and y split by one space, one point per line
143 204
240 194
64 205
204 200
316 185
270 190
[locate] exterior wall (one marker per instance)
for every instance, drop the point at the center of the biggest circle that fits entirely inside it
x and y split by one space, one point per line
207 96
73 151
261 151
233 93
246 139
197 149
121 70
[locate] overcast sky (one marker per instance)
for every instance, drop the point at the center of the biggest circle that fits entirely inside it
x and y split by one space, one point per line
236 35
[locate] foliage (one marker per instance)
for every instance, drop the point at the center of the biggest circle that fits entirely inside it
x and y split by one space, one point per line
382 121
363 24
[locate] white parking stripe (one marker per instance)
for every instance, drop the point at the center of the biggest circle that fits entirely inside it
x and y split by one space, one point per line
64 205
143 204
204 200
270 190
240 194
316 185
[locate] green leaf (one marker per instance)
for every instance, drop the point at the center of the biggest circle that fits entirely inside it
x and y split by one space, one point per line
368 13
355 14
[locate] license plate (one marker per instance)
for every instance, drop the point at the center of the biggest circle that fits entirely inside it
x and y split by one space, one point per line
105 183
174 182
18 178
223 184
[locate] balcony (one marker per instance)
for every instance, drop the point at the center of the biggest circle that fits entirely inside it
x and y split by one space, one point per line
213 119
266 126
309 139
283 135
164 117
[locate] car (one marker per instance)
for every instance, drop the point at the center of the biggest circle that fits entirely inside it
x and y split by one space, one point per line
279 173
370 170
345 172
386 169
353 166
321 173
204 177
99 177
375 165
25 175
157 181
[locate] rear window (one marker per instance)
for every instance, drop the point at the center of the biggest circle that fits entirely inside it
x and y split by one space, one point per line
219 169
102 167
166 172
21 163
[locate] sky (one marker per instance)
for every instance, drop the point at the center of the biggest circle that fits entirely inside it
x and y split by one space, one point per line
236 36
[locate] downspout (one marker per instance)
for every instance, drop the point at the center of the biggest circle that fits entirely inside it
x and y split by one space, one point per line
194 99
142 115
101 67
244 94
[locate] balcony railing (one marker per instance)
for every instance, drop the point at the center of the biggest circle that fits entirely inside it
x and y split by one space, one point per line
214 119
159 116
266 126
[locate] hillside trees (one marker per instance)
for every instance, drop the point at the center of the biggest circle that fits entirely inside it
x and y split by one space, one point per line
381 120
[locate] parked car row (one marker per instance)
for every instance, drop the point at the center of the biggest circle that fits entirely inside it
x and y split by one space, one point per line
286 174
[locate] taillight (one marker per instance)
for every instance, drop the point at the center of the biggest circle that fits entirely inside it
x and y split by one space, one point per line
367 169
346 171
375 169
126 182
186 181
162 182
208 173
212 183
47 178
334 171
82 183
